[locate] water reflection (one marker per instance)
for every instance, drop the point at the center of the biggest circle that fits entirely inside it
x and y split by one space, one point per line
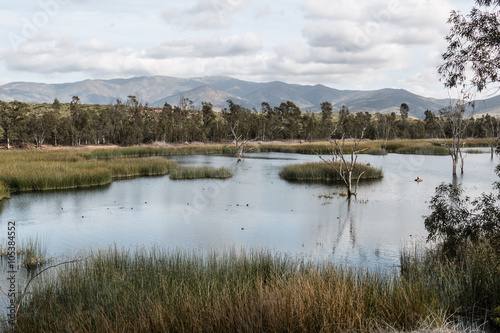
254 209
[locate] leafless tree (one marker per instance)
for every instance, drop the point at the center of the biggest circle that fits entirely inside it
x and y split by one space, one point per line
344 158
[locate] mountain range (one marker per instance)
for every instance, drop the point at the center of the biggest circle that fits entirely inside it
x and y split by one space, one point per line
158 90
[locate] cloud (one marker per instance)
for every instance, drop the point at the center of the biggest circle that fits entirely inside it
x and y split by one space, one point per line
206 47
205 14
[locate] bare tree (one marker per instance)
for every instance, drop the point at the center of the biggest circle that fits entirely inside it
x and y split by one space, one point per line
383 128
239 141
344 158
453 127
492 131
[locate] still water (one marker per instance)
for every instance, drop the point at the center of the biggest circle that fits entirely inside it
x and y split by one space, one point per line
254 209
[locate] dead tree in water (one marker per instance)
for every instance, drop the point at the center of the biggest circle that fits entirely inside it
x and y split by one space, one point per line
345 153
453 125
237 119
239 142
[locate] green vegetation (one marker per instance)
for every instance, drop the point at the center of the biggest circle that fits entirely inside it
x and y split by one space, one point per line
370 147
4 191
200 172
144 151
320 171
126 124
31 254
64 169
466 285
152 290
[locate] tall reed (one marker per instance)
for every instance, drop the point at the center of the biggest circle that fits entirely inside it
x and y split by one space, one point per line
153 290
4 191
320 171
64 169
200 172
467 285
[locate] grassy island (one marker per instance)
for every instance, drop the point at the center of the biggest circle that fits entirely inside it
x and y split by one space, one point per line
320 171
200 172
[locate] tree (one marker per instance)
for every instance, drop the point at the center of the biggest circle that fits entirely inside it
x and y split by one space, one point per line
383 128
453 127
237 123
326 119
473 48
208 120
404 110
12 119
345 149
492 132
456 219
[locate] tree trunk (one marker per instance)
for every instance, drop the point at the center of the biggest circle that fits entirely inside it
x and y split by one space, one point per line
455 163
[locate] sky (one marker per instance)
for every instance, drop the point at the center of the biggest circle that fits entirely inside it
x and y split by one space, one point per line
343 44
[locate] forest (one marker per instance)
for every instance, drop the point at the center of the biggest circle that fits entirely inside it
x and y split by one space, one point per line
131 123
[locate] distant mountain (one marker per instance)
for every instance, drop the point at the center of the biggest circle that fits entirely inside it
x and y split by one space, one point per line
156 90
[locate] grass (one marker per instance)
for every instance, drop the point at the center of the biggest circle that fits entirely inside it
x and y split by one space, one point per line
153 290
200 172
467 286
4 191
31 254
143 151
156 290
320 171
71 168
372 147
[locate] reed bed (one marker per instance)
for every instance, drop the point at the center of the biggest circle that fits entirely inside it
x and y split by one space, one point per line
320 171
143 151
65 169
200 172
467 285
31 254
154 290
4 191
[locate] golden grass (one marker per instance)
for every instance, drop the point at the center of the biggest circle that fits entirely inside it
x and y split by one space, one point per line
150 290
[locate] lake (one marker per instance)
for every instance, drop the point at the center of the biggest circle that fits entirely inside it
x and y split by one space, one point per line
254 209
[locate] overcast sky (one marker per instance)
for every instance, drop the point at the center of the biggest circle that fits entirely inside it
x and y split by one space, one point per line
344 44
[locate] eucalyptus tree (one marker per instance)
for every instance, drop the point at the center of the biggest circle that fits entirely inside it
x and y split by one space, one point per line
384 124
326 119
491 126
472 58
453 127
12 119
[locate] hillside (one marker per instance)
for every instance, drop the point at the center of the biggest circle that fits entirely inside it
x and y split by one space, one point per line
156 90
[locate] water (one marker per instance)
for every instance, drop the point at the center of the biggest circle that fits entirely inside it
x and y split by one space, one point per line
254 209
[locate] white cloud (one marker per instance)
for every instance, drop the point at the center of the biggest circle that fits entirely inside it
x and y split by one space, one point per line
205 14
206 47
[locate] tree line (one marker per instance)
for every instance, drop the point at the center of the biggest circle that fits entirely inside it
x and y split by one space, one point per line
131 122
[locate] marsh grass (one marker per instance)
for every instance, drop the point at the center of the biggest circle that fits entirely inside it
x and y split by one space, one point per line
153 290
143 151
200 172
65 169
320 171
370 147
4 191
31 253
467 285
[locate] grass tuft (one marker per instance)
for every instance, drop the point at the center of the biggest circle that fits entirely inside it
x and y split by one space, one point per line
200 172
320 171
153 290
